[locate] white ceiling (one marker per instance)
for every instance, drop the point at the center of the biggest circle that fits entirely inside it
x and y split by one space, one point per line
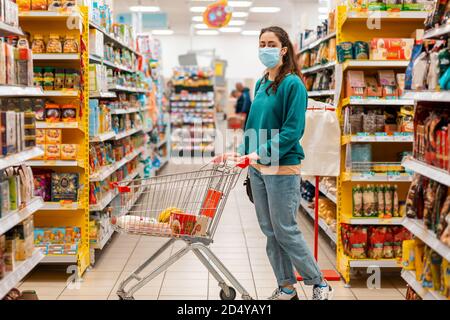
180 18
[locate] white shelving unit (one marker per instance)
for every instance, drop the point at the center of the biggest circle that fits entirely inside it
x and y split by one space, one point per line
22 269
322 224
379 178
437 32
20 157
319 67
431 96
125 111
56 57
13 218
104 241
8 30
320 93
20 91
102 95
436 174
54 163
315 43
106 172
418 228
425 294
127 133
103 137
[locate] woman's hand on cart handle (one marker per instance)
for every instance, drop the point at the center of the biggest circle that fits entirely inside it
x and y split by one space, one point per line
230 156
244 161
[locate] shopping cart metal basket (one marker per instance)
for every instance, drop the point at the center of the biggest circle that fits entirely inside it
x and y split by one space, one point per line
182 207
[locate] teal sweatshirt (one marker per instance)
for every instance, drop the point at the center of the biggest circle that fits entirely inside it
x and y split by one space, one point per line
276 123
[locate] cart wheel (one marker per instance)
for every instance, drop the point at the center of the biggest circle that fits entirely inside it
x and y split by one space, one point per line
232 295
126 299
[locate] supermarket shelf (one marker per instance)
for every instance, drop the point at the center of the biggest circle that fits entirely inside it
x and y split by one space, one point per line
315 43
125 111
22 268
127 133
20 157
377 102
372 221
11 219
20 91
112 193
63 259
322 224
374 64
106 172
320 93
418 228
102 95
104 202
425 294
55 163
375 139
104 241
319 67
402 16
128 89
56 206
103 137
382 263
7 30
56 56
57 125
46 15
322 189
161 143
362 177
427 170
110 64
437 32
432 96
61 93
111 38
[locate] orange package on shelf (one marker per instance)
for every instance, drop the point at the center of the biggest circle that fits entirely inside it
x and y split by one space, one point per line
211 203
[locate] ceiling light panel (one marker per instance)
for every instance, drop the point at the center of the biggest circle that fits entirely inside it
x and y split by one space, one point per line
240 4
145 9
230 30
207 32
265 9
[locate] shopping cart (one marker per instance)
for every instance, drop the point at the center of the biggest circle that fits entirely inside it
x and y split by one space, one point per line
182 207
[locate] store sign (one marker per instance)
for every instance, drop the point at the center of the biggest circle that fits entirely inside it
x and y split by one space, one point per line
218 14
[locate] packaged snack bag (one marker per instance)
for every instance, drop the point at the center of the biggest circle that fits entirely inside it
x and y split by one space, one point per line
377 240
388 248
357 202
408 256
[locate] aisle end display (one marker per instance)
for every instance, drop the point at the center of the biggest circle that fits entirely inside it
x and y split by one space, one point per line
376 134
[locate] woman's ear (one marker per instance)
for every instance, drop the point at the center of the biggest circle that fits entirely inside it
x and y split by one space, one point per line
284 51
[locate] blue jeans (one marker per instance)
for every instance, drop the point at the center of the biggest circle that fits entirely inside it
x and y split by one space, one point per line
277 199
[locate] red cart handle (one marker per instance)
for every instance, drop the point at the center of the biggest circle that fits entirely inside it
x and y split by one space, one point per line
244 164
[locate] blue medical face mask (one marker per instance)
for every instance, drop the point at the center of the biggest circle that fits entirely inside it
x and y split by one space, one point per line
270 57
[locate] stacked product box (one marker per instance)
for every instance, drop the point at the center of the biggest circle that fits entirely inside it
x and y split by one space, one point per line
58 241
16 189
16 245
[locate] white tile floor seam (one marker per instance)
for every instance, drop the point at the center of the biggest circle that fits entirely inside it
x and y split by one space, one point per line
239 243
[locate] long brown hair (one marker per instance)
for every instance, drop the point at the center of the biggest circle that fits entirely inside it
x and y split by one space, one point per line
290 64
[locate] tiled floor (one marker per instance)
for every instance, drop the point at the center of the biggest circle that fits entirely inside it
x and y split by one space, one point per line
238 242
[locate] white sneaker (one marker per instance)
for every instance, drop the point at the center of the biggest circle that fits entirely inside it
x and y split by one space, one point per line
279 294
323 293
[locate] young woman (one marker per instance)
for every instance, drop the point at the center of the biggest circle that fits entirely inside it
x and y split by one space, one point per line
274 128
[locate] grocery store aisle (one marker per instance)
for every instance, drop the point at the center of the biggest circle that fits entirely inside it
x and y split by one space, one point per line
239 243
